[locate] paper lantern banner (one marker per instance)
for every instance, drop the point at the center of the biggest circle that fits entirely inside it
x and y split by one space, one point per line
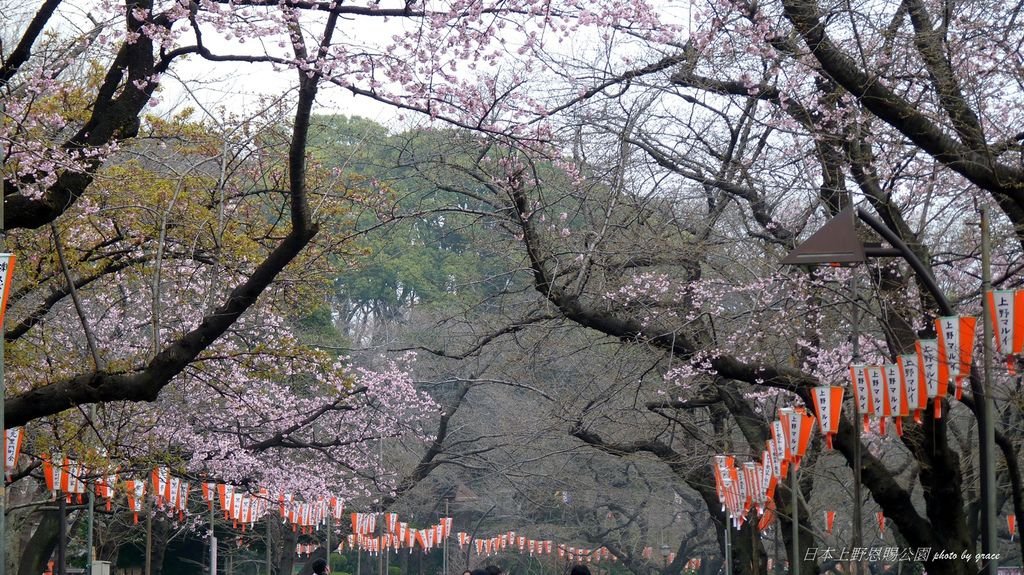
897 395
768 516
6 277
105 489
779 443
1007 319
912 378
936 374
53 473
721 470
861 391
828 401
956 343
245 505
136 493
13 439
879 395
798 423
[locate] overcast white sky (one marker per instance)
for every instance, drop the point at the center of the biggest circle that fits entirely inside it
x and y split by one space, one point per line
238 87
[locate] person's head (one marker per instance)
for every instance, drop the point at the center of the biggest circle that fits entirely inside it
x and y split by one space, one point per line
580 570
479 572
320 566
493 570
467 572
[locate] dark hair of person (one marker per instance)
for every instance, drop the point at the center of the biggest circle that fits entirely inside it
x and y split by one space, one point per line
580 570
319 566
493 569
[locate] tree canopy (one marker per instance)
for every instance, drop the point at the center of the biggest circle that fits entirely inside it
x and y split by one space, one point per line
578 229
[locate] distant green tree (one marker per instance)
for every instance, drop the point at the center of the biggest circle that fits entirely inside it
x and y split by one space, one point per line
428 250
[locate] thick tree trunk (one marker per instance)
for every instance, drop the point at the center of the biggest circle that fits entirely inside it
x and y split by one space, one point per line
161 533
275 541
286 543
756 433
41 545
748 553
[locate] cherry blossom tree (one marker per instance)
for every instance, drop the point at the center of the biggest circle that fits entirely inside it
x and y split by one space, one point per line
677 251
648 194
53 159
173 280
791 108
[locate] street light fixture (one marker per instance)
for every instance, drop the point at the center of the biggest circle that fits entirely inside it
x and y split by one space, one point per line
837 243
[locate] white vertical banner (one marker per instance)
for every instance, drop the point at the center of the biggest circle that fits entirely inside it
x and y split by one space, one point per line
12 448
1003 315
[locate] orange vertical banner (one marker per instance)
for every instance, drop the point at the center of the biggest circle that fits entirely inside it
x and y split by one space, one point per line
768 516
7 277
956 339
1007 323
912 379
